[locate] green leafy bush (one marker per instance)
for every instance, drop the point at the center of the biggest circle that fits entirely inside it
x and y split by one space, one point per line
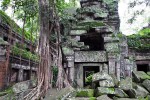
24 53
7 20
140 41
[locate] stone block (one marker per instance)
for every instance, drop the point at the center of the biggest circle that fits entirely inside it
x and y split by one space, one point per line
112 47
101 76
103 90
139 76
78 32
126 84
90 56
103 97
85 93
21 87
120 93
146 84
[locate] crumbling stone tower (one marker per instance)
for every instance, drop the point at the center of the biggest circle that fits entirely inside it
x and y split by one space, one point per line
93 43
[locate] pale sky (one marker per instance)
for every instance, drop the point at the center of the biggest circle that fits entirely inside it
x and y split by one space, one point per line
125 13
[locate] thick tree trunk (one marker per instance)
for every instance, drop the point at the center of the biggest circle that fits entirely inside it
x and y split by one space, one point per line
44 47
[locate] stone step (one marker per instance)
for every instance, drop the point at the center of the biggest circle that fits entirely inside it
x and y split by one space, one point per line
77 32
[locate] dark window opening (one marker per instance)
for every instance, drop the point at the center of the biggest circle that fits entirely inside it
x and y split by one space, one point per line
14 75
94 41
143 67
26 75
5 38
87 72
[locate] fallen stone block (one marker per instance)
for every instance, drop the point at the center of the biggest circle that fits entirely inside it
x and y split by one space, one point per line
120 93
85 93
146 84
103 97
126 84
104 90
140 76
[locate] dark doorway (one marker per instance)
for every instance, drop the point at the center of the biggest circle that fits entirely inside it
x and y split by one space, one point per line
94 41
87 72
26 75
143 67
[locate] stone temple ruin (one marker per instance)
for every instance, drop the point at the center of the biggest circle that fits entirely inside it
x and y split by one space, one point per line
14 68
94 45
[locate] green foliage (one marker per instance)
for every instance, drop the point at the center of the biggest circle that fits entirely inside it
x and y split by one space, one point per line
140 41
7 20
7 91
55 73
89 79
24 53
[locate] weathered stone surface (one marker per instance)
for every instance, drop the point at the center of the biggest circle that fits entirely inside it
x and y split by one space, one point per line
139 76
132 93
103 97
126 99
62 94
137 91
81 98
104 79
21 87
78 32
85 93
141 92
126 84
111 39
104 90
107 83
90 56
67 51
120 93
89 23
146 84
112 47
148 73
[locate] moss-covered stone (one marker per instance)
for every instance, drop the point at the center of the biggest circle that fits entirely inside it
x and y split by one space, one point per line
139 76
126 84
120 93
67 51
91 23
146 84
94 10
103 97
148 73
85 93
112 47
104 90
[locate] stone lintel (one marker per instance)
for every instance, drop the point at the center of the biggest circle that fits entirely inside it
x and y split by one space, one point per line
90 56
111 39
17 66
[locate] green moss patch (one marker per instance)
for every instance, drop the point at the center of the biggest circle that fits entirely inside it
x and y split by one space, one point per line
85 93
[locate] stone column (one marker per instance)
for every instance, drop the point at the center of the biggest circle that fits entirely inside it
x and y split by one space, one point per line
20 75
71 68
